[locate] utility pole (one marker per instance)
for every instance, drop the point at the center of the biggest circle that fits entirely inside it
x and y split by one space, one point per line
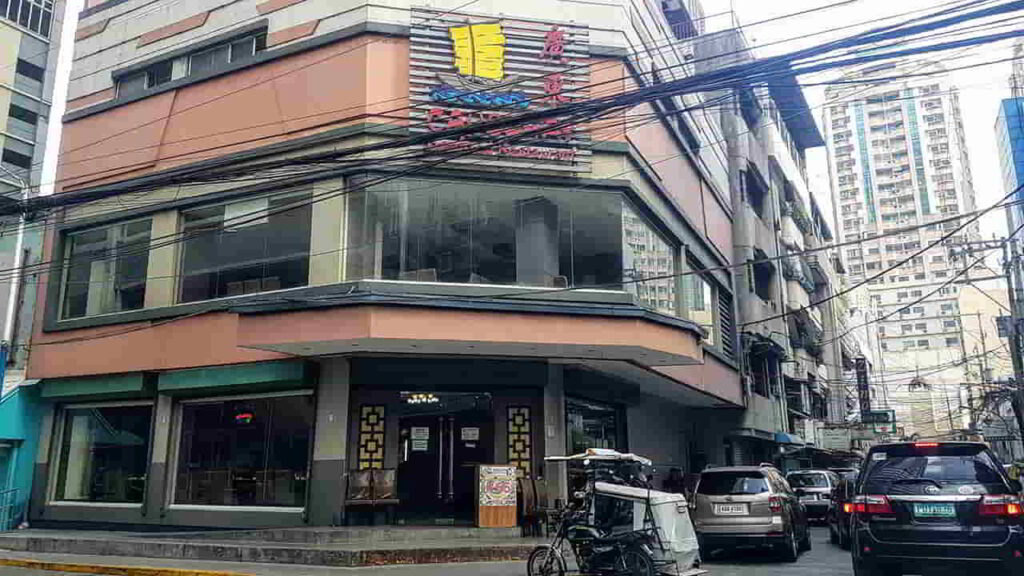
1011 266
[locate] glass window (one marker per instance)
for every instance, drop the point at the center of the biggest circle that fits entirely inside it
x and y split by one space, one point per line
104 454
700 303
210 59
245 452
246 48
732 483
106 269
485 234
245 247
808 480
647 255
132 85
591 425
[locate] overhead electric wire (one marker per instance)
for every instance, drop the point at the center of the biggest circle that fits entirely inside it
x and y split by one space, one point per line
670 44
547 128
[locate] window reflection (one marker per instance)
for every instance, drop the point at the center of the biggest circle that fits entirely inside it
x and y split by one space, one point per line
245 452
433 231
700 304
104 454
244 248
106 269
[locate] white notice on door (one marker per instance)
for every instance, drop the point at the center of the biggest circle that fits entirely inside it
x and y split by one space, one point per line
420 433
419 445
470 434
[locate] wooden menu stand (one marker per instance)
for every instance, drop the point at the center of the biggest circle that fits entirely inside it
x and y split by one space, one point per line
495 496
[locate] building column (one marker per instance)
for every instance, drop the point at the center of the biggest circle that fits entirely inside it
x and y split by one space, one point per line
160 441
41 474
554 433
327 485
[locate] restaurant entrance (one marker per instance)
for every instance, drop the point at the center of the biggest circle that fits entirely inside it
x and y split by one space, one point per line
442 437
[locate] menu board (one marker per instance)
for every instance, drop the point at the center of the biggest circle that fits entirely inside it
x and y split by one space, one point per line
497 486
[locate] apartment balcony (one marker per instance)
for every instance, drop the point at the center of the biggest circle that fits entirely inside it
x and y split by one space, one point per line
821 269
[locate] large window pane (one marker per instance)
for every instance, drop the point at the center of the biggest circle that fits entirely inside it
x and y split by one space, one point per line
245 247
701 304
104 454
106 269
647 255
591 425
249 452
432 231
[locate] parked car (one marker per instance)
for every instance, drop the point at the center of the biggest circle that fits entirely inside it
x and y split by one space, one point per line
840 510
814 488
749 506
919 505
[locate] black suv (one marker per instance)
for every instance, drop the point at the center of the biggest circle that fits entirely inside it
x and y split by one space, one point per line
920 505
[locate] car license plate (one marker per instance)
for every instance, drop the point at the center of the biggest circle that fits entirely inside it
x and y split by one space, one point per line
809 498
731 509
938 510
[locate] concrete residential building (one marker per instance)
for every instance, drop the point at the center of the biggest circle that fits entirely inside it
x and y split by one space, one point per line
791 354
29 43
493 309
898 160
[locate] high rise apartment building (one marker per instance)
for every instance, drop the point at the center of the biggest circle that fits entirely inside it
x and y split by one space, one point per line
898 161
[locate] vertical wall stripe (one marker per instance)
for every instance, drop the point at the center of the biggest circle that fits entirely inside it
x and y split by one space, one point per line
915 144
865 165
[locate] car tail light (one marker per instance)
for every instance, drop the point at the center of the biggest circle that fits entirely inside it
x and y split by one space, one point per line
1002 505
848 507
775 503
871 505
926 444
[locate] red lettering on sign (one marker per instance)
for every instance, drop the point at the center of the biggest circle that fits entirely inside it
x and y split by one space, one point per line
554 44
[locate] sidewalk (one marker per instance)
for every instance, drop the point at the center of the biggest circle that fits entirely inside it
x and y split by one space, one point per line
138 566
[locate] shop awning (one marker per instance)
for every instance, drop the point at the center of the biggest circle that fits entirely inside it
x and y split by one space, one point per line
784 438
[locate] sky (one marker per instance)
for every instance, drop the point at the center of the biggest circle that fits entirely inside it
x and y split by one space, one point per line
981 88
60 90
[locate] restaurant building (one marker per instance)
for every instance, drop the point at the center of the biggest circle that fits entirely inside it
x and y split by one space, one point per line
232 350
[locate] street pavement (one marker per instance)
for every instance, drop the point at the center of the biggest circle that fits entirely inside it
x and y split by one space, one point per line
823 560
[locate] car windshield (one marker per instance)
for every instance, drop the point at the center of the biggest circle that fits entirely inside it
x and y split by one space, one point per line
732 483
936 471
808 480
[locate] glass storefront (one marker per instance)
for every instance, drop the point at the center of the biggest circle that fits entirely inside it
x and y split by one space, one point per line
104 454
483 233
245 452
591 425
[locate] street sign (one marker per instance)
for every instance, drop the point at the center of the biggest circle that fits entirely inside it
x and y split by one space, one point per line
835 438
863 390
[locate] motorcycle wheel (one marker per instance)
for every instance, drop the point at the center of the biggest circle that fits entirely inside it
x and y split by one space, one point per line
544 561
636 562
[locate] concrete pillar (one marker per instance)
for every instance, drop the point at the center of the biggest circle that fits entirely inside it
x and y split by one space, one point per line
554 432
163 262
156 478
327 237
327 478
41 474
537 240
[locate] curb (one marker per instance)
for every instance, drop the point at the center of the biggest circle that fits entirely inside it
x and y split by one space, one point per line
111 570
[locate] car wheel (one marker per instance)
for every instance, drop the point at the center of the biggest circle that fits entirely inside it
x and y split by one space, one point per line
790 548
805 543
833 535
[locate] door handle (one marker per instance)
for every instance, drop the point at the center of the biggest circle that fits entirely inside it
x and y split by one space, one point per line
451 457
440 456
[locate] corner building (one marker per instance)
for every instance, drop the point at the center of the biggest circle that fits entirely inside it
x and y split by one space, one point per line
230 350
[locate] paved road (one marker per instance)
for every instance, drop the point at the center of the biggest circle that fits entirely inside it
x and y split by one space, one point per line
823 560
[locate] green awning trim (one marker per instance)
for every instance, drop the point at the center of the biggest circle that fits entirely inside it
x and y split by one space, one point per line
88 386
286 372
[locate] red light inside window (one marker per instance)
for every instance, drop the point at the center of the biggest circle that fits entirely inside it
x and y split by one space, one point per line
244 418
926 444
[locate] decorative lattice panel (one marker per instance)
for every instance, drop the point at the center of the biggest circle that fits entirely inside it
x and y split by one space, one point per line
519 449
371 436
